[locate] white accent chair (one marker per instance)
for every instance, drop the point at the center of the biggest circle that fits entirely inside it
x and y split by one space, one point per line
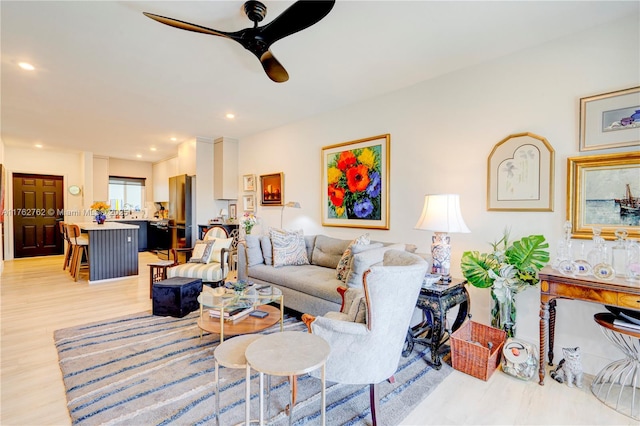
368 353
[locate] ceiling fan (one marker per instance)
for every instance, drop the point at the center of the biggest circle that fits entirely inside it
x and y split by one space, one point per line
300 15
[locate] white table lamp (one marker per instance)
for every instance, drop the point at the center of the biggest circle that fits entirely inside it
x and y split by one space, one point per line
441 214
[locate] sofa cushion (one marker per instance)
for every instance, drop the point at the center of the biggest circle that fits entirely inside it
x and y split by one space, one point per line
310 241
254 251
327 251
363 261
309 279
201 251
288 248
209 272
342 269
267 249
218 245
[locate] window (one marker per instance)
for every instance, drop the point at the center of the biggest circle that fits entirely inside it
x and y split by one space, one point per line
126 193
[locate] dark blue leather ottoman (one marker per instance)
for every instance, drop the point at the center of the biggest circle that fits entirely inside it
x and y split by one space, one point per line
176 297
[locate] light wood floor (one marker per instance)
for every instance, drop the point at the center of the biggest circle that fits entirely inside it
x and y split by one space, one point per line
38 297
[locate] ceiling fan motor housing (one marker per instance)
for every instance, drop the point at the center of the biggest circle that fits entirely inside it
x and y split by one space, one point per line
255 10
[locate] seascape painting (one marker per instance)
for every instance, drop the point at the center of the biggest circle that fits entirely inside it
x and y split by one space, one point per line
612 197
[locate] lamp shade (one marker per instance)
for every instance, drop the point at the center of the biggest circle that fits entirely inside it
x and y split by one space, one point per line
224 212
441 213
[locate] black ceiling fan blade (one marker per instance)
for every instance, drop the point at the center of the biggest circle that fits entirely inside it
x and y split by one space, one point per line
274 69
189 27
300 15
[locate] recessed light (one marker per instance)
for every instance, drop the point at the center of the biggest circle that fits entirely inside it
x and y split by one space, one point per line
230 116
139 155
26 66
153 148
38 145
174 139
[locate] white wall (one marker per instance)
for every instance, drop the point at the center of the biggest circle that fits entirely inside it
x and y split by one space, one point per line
132 168
442 132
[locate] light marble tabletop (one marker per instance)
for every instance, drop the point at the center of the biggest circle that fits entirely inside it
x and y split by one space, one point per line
107 226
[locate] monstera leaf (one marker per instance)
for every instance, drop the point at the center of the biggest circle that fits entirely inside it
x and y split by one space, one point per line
475 267
528 253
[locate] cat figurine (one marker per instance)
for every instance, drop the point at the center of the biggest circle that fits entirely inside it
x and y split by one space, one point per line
570 368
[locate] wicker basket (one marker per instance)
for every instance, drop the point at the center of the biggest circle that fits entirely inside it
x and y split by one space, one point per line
470 353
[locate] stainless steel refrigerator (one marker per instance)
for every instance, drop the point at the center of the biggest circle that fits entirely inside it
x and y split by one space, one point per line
181 210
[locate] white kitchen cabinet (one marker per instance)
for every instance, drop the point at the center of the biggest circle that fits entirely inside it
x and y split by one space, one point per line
225 169
162 171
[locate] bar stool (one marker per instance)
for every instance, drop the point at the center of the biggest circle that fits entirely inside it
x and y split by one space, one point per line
230 354
616 385
65 238
79 247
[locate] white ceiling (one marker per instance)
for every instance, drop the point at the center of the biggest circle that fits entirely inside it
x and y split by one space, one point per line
111 81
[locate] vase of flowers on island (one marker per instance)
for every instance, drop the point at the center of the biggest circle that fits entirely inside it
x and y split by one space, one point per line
101 209
355 184
247 222
507 270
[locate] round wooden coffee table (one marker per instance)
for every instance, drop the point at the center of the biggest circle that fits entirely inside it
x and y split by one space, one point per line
244 325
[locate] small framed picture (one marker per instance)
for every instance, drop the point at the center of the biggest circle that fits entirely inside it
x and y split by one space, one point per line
233 211
272 189
610 120
249 183
249 202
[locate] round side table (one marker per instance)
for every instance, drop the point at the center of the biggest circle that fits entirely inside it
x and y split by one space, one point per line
617 384
289 353
230 354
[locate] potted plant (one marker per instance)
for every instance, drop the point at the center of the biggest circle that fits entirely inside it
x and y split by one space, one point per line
101 209
508 269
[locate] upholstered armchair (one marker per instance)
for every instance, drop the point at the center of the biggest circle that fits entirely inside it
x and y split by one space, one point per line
368 352
207 260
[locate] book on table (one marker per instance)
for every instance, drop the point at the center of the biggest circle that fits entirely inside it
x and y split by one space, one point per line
232 313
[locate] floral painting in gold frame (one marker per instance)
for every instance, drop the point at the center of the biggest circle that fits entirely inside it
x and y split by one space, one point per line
355 183
604 191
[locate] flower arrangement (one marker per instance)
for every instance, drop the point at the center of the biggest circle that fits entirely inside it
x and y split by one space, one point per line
355 184
508 269
248 221
100 207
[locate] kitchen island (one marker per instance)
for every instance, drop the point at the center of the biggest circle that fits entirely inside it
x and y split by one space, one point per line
113 250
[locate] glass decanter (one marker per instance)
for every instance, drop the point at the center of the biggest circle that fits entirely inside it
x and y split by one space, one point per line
581 265
604 270
619 252
595 255
564 256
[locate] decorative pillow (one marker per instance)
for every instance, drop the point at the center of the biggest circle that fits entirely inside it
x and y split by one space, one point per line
202 251
343 265
355 306
267 249
254 252
288 248
218 245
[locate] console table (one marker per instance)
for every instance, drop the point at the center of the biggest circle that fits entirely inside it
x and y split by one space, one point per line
434 301
554 285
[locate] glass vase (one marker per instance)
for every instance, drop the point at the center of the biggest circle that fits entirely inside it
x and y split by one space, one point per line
503 314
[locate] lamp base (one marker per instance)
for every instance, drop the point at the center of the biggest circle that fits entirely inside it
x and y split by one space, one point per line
441 256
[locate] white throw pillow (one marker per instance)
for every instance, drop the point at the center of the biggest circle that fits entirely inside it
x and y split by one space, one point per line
218 245
202 251
288 248
342 270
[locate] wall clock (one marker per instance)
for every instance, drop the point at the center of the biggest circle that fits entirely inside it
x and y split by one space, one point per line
74 190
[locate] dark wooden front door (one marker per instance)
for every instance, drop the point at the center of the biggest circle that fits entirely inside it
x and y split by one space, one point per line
37 209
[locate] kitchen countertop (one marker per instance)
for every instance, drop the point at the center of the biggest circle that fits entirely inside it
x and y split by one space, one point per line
107 226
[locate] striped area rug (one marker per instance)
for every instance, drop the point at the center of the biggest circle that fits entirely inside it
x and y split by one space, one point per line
143 369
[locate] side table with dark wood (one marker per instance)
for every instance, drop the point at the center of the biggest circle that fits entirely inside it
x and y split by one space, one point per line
434 301
158 272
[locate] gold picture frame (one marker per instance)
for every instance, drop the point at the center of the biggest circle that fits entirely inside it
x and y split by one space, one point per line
249 183
610 120
355 183
520 174
597 194
272 189
249 203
